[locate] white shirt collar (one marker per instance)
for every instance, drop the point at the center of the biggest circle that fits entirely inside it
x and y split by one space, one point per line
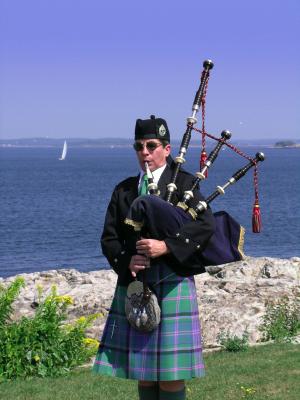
156 174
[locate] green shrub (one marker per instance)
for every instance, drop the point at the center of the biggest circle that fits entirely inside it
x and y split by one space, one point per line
281 320
234 343
41 345
7 297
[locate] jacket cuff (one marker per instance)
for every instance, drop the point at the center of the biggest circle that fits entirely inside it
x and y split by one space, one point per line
182 247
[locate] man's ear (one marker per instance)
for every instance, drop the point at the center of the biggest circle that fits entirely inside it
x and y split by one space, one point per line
168 149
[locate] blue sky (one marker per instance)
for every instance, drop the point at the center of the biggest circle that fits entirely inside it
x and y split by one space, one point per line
72 68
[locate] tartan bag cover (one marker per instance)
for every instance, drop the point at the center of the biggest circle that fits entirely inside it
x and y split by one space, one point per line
173 351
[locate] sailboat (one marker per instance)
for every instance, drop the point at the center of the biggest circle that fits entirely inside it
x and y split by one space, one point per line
64 151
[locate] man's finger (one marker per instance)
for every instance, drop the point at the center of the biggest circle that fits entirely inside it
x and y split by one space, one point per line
142 253
142 241
138 267
140 259
142 247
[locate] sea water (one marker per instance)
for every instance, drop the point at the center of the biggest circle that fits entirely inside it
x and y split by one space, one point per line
52 212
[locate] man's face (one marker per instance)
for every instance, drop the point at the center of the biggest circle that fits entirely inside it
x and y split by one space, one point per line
155 158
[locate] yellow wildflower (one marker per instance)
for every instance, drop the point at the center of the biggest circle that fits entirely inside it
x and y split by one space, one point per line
64 299
39 287
36 358
53 290
248 391
67 299
90 342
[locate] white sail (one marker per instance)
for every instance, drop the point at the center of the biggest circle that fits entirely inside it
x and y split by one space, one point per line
64 152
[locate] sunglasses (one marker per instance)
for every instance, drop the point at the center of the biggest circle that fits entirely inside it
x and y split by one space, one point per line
151 146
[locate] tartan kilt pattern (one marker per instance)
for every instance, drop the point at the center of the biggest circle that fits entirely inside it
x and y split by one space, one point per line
173 351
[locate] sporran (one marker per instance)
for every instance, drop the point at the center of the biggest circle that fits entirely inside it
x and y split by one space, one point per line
141 307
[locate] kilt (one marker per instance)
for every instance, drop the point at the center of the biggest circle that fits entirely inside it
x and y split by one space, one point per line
173 351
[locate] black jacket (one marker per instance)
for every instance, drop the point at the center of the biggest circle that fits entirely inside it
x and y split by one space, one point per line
185 245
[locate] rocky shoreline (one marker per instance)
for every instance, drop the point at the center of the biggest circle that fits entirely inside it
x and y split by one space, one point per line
232 298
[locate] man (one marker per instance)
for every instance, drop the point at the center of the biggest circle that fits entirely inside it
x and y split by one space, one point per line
162 359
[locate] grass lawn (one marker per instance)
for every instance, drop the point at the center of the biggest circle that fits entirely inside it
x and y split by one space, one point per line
261 373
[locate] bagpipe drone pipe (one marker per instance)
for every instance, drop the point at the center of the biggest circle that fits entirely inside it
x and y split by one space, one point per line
156 218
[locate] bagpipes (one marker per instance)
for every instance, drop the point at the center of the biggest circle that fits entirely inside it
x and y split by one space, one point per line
160 218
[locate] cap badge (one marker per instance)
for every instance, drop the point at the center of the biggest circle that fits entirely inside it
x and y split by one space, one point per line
162 130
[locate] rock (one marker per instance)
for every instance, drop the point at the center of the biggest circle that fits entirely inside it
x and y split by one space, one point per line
214 269
232 298
235 300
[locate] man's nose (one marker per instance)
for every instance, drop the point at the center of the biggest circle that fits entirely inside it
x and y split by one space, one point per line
145 150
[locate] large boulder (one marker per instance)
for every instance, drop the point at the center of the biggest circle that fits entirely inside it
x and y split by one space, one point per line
232 298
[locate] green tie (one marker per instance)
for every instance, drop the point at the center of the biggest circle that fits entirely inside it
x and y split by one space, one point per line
144 185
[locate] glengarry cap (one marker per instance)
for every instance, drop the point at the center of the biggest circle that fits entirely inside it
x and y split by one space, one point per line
153 128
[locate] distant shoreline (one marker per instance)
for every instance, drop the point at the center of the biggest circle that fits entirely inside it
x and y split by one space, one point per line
112 142
115 143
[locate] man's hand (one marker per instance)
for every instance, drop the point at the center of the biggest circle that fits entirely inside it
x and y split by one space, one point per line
138 263
152 248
